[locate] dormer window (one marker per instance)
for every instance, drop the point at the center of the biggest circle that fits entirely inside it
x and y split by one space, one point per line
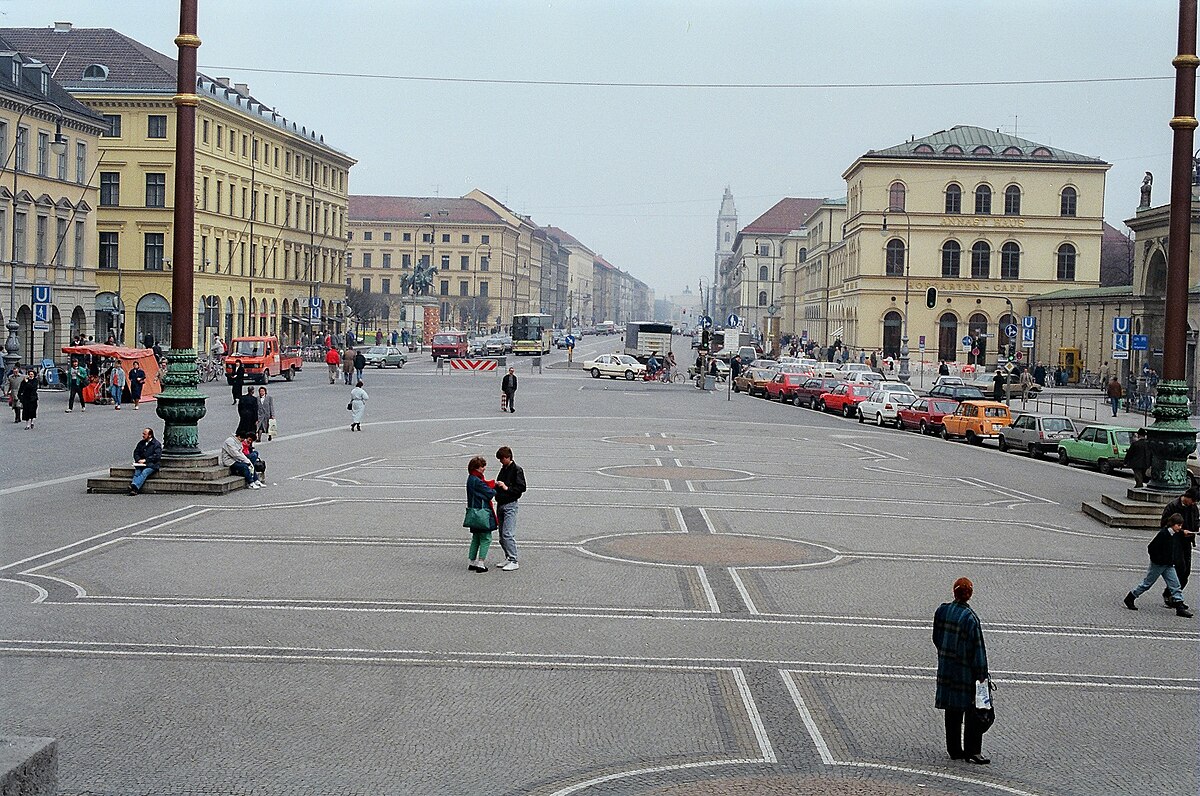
982 149
1012 151
16 72
953 149
923 149
45 82
96 72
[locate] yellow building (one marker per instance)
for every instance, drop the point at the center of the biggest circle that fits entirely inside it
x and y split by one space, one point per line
807 276
271 196
49 145
989 220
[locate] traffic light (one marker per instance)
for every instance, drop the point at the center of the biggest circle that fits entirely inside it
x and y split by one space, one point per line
931 298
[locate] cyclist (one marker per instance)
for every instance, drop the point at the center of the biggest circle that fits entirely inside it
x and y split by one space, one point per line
670 365
651 366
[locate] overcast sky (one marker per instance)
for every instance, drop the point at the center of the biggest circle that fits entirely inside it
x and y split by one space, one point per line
637 173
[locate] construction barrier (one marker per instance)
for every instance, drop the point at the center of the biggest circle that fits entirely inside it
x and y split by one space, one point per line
473 364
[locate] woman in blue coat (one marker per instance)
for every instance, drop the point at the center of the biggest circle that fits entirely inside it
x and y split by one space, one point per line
479 496
962 662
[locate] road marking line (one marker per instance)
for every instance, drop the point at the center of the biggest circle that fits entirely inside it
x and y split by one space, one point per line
92 538
42 593
331 467
708 591
760 732
80 592
741 588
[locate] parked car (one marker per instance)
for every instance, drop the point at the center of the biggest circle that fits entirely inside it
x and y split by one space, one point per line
926 413
493 346
883 405
1036 434
784 386
957 392
753 381
747 354
769 364
845 398
810 391
943 380
477 346
985 382
1101 446
976 421
615 366
385 356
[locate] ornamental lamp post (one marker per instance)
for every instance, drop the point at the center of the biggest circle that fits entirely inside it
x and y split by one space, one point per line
904 374
479 262
12 346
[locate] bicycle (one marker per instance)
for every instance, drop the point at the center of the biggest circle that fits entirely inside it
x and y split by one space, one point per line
1087 380
210 369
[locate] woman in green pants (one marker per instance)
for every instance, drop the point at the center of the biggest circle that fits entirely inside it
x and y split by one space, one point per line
479 496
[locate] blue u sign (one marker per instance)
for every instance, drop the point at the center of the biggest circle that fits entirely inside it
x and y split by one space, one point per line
1121 325
41 294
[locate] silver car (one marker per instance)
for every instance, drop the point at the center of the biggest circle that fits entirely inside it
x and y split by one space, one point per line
385 356
1036 434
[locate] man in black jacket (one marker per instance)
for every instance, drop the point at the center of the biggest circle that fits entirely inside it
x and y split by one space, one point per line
1161 550
1185 506
508 386
510 485
1137 459
147 457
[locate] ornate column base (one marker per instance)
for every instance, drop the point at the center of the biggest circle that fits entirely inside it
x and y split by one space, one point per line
181 404
12 346
1172 438
904 375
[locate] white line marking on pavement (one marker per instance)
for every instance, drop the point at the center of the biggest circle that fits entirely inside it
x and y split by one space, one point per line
334 466
760 732
567 791
1006 680
52 482
679 519
741 588
42 593
92 538
707 520
33 570
708 591
80 592
810 724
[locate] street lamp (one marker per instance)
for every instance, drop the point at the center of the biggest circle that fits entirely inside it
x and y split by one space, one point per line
12 346
904 375
478 269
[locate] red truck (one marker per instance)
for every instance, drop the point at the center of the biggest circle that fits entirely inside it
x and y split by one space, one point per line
448 343
262 357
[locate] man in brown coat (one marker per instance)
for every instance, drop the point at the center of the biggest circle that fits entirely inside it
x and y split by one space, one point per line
1115 393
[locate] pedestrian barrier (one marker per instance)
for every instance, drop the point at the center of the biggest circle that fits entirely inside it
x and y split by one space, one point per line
473 364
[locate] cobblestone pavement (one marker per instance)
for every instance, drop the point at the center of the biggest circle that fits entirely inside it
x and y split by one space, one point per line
715 597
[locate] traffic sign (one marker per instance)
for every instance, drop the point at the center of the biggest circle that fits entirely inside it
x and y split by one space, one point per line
771 310
733 320
706 321
41 294
41 313
1141 342
921 342
315 301
1011 331
1121 325
569 340
966 341
1027 337
1029 322
315 313
1120 355
41 327
1120 342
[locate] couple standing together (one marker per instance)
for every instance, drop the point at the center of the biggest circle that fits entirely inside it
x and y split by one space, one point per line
482 518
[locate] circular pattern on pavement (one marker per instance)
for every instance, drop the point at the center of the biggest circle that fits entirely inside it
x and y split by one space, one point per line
796 785
677 442
666 472
707 549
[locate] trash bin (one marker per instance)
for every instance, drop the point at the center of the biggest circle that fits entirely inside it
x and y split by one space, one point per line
710 383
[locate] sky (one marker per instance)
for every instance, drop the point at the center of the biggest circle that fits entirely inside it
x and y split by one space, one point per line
637 173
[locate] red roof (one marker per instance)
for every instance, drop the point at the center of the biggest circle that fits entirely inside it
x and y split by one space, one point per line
786 215
564 238
414 209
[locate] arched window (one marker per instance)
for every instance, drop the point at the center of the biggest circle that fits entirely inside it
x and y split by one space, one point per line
923 149
951 259
95 72
727 237
763 273
981 260
948 337
953 149
953 198
983 200
241 317
891 334
896 196
894 261
977 328
1066 205
1010 261
762 298
1003 341
1042 152
154 318
802 255
228 320
1066 263
1012 151
1012 200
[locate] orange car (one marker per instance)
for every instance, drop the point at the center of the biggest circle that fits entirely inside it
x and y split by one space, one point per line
976 421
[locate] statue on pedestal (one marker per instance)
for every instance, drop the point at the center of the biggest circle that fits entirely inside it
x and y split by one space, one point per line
421 280
1147 185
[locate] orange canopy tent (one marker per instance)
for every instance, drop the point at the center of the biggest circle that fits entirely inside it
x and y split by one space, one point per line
125 357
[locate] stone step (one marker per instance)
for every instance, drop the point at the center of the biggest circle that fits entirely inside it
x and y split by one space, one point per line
217 486
189 462
1125 506
1115 519
174 474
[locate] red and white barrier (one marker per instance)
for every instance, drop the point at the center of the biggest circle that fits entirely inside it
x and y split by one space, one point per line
473 364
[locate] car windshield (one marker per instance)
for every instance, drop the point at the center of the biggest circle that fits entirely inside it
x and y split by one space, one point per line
944 407
1124 438
1057 424
865 390
248 348
898 388
445 339
378 350
995 411
627 360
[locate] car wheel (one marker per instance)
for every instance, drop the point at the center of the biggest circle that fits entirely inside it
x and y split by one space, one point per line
847 411
796 400
1002 445
972 438
945 434
924 428
736 388
879 419
1105 466
861 419
1063 458
289 374
1036 452
380 365
629 375
819 405
595 373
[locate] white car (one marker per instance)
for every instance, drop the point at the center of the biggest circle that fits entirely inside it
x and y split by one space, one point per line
884 405
615 366
957 381
863 377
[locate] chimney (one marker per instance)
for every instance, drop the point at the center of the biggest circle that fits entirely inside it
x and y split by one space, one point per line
224 81
62 27
242 89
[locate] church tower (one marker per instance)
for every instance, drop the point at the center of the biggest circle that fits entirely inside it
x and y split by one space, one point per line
726 232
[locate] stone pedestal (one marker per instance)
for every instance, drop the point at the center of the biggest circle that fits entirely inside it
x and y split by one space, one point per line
1172 438
183 475
28 766
432 321
181 404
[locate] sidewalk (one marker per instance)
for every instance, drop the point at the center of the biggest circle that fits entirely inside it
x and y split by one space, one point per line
1086 405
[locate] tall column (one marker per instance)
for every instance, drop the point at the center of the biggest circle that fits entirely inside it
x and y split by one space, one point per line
181 404
1172 436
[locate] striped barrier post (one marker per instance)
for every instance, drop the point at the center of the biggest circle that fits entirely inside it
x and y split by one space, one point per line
475 365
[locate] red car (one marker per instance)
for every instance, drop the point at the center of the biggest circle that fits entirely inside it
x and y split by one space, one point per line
845 398
783 387
809 393
926 414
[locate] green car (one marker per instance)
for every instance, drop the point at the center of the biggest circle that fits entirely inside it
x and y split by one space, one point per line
1101 446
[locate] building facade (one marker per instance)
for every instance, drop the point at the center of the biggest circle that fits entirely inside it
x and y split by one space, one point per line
727 228
987 220
807 277
271 197
47 206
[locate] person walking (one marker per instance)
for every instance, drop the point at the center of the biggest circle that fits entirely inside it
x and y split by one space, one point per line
1115 393
1139 460
1162 565
1039 374
238 462
510 485
360 362
348 366
266 414
943 369
333 362
358 406
962 662
508 388
77 376
28 394
479 496
1026 383
147 458
1185 506
378 337
116 383
247 409
237 382
998 385
12 389
217 349
137 380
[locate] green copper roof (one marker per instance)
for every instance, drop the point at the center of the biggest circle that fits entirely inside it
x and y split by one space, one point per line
964 142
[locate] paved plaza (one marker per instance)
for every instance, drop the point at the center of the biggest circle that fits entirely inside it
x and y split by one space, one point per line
715 596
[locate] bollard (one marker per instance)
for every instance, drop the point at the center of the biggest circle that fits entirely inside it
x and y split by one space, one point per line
536 363
440 364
